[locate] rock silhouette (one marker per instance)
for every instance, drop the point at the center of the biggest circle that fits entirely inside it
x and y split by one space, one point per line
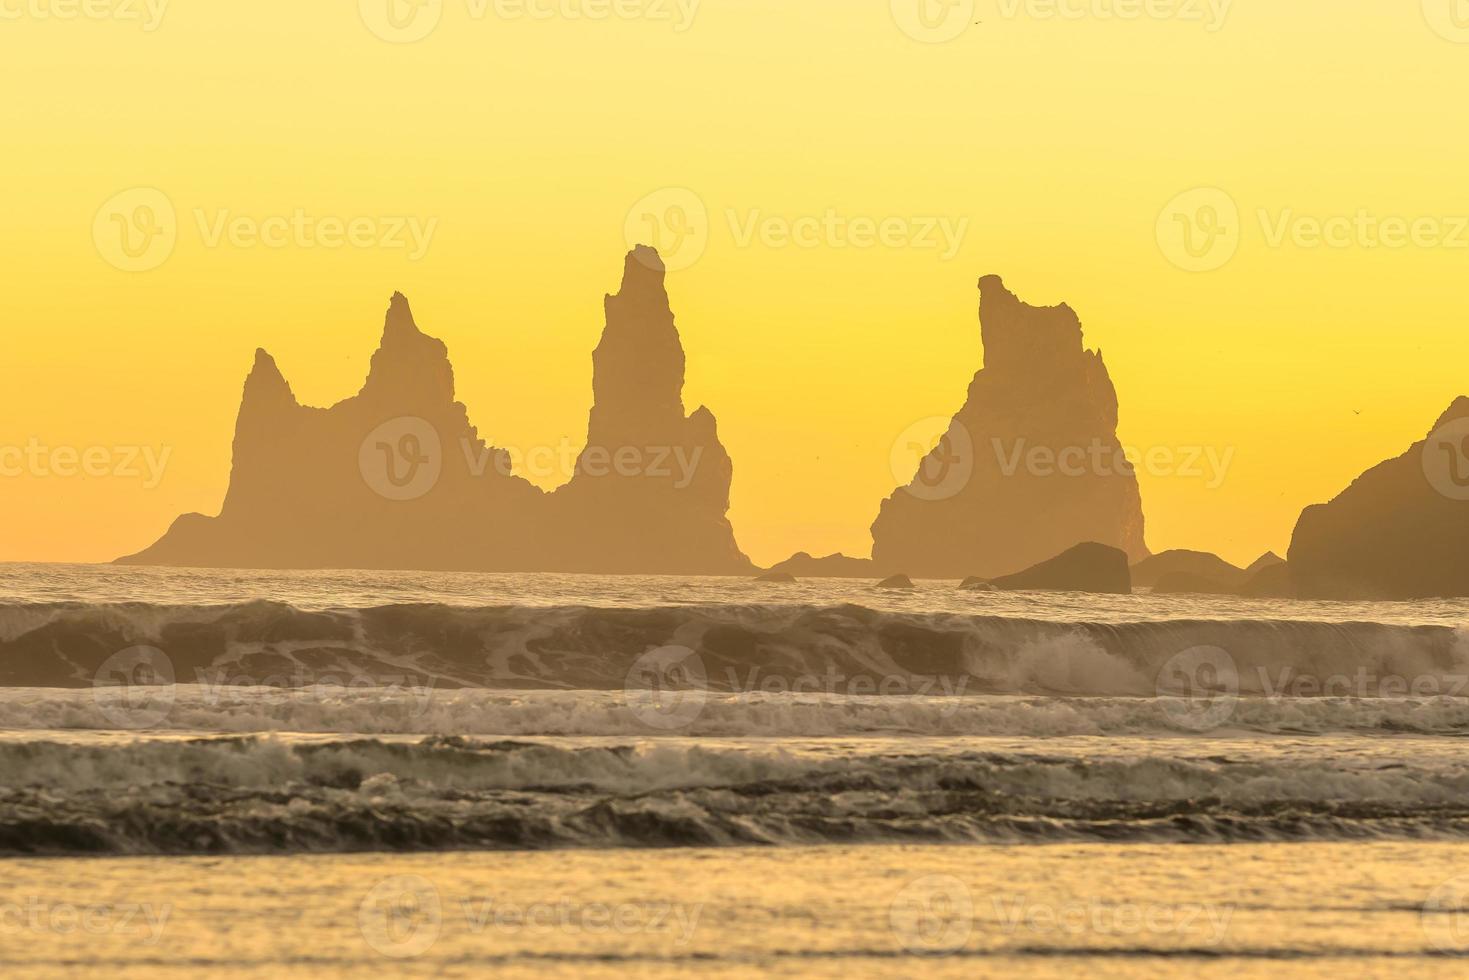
802 565
1400 531
1031 465
1088 567
1272 581
651 489
1268 560
396 477
1180 570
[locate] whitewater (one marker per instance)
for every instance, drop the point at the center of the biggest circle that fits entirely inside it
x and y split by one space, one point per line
435 774
166 711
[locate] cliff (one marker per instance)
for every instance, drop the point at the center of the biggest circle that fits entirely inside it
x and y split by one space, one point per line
1400 531
397 477
1031 466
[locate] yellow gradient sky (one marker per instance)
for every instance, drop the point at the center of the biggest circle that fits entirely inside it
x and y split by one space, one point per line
1061 140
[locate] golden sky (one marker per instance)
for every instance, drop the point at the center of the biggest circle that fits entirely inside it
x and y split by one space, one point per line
801 159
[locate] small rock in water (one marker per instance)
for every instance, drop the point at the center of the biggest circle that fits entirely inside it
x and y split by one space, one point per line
896 582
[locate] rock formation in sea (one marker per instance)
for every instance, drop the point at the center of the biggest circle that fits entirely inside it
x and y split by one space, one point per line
803 565
1270 581
1088 567
1182 570
1030 466
397 477
651 489
1400 531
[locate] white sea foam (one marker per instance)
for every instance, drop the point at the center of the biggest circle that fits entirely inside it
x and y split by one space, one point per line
490 713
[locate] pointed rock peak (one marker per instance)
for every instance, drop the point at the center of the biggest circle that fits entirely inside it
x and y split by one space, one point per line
408 361
1458 410
641 306
1268 560
399 324
265 365
266 382
642 278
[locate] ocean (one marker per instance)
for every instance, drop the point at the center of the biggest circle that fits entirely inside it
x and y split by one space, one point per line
325 773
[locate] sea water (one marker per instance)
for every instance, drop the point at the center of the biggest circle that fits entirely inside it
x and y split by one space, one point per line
328 773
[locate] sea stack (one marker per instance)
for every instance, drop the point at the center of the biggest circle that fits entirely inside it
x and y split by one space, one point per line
1031 465
651 489
1400 531
396 477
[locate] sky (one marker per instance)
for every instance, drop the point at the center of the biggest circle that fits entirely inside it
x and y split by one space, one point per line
1257 209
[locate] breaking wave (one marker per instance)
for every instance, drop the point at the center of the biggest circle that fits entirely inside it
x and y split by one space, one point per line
267 795
477 712
844 649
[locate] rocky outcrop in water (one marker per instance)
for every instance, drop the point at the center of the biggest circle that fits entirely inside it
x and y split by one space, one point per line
397 477
1400 531
1181 570
651 488
1087 567
804 565
1031 466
